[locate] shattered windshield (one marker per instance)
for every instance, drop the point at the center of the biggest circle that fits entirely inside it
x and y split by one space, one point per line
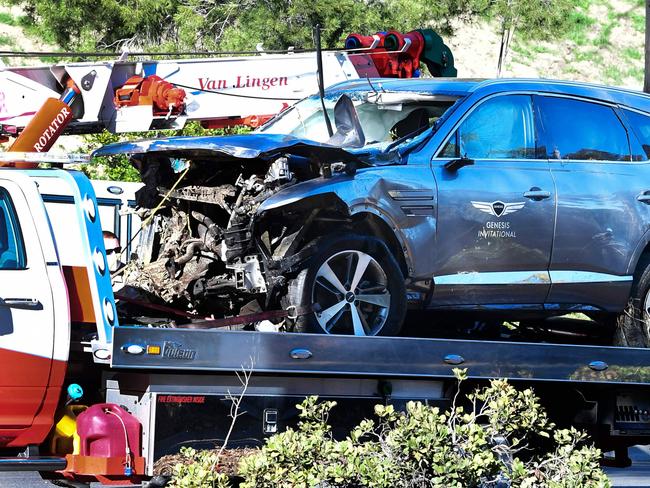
384 116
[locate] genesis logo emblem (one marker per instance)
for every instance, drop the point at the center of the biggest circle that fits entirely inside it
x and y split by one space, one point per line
498 209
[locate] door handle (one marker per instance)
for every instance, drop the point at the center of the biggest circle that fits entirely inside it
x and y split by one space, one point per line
537 194
21 303
644 197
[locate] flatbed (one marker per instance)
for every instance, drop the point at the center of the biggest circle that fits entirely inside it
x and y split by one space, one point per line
394 357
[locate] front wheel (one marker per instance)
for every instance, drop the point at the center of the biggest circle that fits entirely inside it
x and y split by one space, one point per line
354 286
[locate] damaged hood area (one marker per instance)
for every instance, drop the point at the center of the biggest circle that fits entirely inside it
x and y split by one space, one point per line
257 146
202 249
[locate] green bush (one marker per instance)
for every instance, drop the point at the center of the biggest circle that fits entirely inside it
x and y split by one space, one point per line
199 471
498 440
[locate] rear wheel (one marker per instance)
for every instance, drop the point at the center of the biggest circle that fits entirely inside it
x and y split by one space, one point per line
353 285
633 324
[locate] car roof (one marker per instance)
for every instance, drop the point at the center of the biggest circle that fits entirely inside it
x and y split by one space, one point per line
463 87
457 86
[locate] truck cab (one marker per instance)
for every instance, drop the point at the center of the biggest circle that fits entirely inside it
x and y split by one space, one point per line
44 288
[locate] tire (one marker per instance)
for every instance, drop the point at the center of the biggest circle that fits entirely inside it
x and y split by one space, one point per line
325 284
633 324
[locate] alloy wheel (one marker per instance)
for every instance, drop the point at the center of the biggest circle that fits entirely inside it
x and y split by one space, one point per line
350 294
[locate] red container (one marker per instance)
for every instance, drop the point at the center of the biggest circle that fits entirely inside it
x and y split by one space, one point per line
101 430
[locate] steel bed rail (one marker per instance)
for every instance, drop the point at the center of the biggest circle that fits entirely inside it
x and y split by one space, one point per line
285 353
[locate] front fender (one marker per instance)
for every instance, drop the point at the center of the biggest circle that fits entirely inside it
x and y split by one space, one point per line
338 185
372 191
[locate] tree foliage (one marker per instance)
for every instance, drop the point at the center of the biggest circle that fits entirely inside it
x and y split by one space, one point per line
241 24
102 24
279 24
534 19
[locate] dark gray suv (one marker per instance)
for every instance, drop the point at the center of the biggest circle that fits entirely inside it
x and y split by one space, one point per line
516 197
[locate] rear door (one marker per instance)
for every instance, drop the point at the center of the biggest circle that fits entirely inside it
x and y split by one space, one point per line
27 316
602 214
495 217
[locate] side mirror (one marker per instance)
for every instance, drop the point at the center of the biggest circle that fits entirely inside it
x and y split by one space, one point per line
455 164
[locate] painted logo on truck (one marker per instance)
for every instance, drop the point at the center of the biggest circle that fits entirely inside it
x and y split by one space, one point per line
175 350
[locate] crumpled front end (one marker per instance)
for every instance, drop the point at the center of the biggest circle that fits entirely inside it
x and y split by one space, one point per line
201 250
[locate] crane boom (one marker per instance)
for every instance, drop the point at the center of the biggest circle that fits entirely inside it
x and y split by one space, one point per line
219 91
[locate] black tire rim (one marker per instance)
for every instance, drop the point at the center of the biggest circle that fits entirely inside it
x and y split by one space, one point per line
350 294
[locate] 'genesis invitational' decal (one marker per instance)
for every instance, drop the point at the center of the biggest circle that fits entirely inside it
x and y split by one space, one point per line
499 229
498 209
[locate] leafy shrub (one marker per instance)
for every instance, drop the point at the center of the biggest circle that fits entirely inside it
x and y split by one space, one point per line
198 469
495 442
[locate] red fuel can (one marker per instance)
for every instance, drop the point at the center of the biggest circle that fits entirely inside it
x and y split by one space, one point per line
103 431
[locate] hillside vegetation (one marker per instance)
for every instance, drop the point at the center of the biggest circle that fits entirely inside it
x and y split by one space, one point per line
606 45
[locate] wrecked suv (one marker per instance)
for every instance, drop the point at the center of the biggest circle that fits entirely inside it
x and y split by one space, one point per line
511 197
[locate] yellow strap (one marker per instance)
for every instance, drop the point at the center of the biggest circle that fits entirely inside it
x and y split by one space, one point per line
158 207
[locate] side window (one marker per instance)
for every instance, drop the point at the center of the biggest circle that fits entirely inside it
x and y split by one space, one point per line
582 130
12 252
502 127
641 126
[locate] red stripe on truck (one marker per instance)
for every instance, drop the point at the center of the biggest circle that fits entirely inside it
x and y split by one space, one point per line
30 388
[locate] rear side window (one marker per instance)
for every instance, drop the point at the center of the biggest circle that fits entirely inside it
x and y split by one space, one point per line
502 127
641 126
12 251
582 130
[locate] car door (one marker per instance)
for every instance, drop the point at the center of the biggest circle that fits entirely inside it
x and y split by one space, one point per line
602 214
495 217
26 311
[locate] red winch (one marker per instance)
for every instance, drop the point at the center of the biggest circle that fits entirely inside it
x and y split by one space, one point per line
165 98
392 54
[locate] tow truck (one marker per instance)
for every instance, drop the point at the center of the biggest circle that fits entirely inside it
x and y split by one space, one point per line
151 390
163 388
